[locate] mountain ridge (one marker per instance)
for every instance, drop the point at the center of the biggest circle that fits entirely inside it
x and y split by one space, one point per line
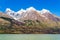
22 12
29 21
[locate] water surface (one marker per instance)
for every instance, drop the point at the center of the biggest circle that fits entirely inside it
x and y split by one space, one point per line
29 36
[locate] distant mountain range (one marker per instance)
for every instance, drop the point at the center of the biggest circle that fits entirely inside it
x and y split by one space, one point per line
32 14
30 17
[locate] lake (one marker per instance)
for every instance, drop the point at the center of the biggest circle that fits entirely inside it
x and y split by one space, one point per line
29 36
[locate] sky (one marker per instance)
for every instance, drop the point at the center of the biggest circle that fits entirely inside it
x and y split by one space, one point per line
52 5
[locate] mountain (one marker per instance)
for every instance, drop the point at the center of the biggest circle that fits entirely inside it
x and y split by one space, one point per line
32 14
23 14
29 20
44 16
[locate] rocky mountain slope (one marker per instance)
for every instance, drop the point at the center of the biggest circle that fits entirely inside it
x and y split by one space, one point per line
29 21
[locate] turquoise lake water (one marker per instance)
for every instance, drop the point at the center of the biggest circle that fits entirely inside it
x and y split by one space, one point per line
29 36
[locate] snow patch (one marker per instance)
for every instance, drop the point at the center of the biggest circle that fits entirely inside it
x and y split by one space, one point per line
30 8
44 11
8 10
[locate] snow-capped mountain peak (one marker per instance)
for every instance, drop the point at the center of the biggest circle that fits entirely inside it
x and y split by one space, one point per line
30 9
22 10
29 12
44 11
11 13
8 10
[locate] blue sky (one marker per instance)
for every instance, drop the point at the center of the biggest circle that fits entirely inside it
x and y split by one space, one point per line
52 5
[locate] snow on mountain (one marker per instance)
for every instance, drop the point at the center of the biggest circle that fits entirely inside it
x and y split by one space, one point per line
30 8
18 14
8 9
30 13
44 11
12 13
